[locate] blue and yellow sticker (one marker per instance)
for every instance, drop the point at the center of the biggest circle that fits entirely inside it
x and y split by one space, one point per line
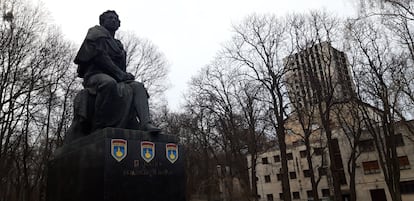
118 149
147 151
171 151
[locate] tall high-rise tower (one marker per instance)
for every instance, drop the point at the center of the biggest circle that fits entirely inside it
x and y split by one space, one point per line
318 74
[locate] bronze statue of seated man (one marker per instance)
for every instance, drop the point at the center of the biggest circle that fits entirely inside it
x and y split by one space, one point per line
112 97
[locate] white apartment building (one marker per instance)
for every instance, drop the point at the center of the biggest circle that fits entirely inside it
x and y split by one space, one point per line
370 184
307 76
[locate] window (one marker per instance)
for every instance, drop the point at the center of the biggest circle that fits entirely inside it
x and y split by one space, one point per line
342 177
269 197
407 187
404 163
267 178
276 158
318 151
297 142
281 196
325 193
265 161
399 141
296 195
279 177
309 194
302 154
306 173
371 167
322 171
338 161
289 156
366 145
292 175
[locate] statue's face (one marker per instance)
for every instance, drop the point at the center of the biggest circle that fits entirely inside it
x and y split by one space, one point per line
111 22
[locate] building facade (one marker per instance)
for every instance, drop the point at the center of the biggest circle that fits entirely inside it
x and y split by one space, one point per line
370 184
316 73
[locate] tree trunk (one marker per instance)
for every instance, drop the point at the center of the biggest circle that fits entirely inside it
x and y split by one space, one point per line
333 168
352 178
312 172
253 176
284 170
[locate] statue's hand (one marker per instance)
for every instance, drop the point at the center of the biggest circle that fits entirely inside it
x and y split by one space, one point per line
128 76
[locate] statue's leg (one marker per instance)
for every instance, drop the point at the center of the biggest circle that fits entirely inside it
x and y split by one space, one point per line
141 102
142 107
78 127
105 88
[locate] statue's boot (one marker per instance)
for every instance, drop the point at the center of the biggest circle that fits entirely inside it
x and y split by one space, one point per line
151 128
142 108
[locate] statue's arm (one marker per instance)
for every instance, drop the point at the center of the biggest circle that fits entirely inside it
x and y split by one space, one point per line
105 63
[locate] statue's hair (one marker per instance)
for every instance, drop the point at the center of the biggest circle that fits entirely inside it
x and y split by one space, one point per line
103 15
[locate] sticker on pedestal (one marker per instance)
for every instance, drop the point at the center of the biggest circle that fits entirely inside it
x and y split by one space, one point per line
171 151
147 151
118 149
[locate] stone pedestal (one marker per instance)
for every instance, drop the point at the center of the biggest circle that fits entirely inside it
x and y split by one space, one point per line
108 166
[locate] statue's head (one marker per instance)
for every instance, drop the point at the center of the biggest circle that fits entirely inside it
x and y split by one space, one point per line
109 19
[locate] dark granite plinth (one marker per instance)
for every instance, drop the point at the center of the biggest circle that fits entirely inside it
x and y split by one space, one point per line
85 170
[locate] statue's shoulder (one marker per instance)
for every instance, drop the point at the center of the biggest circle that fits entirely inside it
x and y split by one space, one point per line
97 32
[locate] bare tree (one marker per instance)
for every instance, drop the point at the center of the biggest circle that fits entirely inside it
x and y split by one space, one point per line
380 75
146 62
388 8
257 46
36 86
254 114
350 120
311 54
307 33
215 88
227 100
202 138
398 18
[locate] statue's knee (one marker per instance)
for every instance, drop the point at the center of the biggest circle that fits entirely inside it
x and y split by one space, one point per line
100 82
137 85
107 83
139 88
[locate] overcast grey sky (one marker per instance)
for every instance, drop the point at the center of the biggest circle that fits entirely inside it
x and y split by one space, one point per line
188 32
